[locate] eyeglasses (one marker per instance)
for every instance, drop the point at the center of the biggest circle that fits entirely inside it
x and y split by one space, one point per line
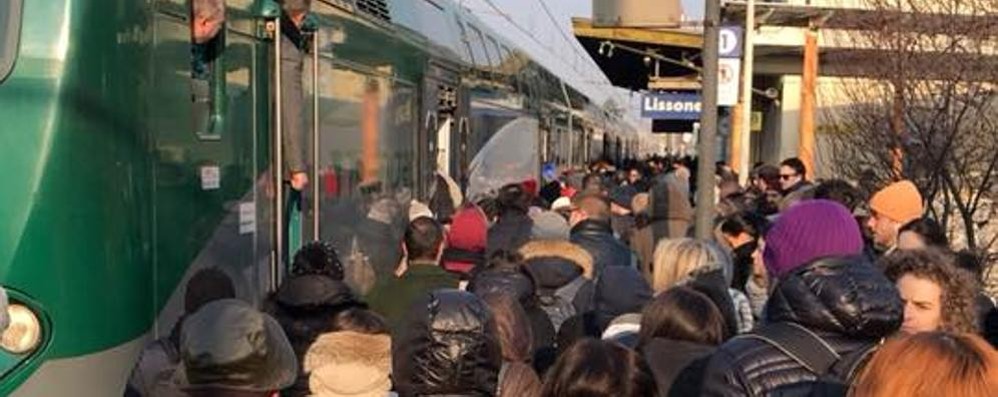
787 177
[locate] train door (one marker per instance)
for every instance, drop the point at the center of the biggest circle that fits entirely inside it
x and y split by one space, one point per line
440 123
207 119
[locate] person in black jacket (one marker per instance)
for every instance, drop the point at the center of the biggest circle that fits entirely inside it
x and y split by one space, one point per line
825 289
505 275
558 269
513 225
679 330
450 346
591 230
307 301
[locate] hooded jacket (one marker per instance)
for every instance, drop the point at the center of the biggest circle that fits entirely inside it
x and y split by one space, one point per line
844 300
303 306
466 241
449 346
552 264
349 364
597 238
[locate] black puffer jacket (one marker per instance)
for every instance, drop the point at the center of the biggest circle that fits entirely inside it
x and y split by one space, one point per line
846 301
449 346
304 306
597 238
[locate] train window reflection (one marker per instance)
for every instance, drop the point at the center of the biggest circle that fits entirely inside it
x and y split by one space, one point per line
10 29
482 58
369 122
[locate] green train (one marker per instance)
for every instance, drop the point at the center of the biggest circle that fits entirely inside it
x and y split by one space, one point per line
116 185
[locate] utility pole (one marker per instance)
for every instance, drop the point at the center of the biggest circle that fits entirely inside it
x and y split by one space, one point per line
707 144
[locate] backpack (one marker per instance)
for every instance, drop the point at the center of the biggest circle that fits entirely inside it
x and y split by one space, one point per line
835 372
558 305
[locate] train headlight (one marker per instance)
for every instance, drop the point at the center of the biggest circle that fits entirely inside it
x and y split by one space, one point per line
24 332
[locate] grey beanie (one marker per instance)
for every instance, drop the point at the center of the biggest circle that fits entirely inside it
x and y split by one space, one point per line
548 225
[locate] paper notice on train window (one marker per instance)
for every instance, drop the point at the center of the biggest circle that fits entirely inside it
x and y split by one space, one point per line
247 218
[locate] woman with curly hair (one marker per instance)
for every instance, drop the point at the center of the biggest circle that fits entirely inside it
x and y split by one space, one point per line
938 296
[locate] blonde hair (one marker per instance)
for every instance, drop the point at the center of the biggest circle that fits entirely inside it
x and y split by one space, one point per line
676 260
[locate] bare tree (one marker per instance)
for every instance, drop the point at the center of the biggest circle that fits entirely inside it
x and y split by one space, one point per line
924 107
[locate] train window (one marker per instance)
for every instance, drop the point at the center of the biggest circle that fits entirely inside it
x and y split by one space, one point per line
494 49
10 32
482 57
467 42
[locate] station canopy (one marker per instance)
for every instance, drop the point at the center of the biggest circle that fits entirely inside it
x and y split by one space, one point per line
628 55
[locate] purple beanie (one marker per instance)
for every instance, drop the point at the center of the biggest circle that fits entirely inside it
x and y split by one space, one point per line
810 230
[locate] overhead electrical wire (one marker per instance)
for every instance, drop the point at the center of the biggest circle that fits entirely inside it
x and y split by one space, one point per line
530 35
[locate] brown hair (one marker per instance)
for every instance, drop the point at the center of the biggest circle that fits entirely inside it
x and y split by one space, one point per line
959 288
961 365
682 313
359 320
515 336
595 205
595 368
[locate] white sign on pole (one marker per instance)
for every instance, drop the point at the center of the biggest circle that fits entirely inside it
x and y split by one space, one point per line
728 73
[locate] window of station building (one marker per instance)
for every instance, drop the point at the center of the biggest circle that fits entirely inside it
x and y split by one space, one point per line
10 31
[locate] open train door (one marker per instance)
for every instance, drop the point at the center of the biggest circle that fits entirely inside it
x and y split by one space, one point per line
440 123
293 142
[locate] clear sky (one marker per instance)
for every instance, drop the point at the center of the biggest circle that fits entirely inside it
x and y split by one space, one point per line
554 46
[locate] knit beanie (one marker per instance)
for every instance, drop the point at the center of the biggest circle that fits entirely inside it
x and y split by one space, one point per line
810 230
549 225
900 201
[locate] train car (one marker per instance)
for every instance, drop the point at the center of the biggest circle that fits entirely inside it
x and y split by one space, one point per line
133 156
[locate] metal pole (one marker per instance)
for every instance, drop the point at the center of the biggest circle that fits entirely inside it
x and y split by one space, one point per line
316 206
278 166
707 142
746 110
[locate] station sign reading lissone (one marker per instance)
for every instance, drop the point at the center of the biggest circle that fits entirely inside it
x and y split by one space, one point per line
671 106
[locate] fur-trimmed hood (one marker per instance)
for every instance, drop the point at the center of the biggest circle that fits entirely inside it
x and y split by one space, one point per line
558 249
350 347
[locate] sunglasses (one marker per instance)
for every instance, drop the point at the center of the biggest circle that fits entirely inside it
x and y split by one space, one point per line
787 177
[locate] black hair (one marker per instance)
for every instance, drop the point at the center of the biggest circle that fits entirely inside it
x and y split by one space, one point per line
360 320
595 368
513 198
684 314
423 237
205 286
796 164
748 222
839 191
317 257
929 230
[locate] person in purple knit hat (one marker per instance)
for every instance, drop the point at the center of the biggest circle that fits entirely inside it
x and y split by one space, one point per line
829 308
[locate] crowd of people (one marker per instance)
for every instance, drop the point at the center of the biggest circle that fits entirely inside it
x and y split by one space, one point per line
591 284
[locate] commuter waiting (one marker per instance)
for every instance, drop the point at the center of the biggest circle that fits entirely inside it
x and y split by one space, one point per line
229 349
418 273
828 309
937 295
